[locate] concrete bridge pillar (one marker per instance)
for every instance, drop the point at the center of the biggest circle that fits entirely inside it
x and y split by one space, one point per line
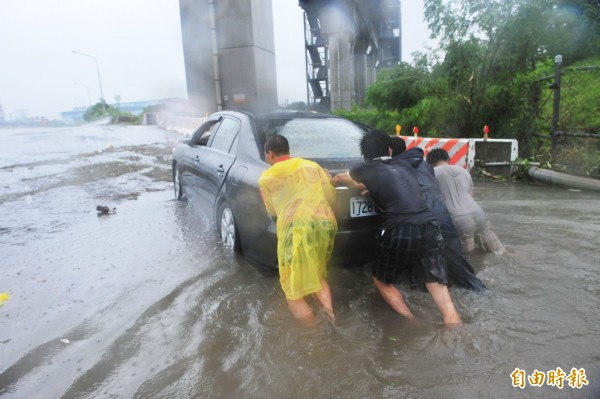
229 54
341 64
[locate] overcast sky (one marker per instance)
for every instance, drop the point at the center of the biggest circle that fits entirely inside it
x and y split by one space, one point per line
137 44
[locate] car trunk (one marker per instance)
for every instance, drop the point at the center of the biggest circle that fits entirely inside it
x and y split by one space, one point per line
347 212
355 241
351 208
357 219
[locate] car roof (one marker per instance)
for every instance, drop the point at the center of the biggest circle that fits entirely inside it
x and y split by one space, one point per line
285 114
282 114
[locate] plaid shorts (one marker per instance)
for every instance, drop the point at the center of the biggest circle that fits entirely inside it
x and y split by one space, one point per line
416 248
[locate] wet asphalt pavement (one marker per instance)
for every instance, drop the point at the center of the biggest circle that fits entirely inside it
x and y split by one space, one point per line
144 303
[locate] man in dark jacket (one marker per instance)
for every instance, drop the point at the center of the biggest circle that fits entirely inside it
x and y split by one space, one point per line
410 239
460 272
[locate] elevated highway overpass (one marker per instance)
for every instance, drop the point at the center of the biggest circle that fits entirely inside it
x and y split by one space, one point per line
229 51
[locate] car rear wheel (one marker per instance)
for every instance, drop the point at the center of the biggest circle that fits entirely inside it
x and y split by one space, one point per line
228 231
177 182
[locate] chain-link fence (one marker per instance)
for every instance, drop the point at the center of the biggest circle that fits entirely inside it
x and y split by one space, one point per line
570 124
579 100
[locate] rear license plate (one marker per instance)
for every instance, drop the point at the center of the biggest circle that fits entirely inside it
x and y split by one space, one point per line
361 206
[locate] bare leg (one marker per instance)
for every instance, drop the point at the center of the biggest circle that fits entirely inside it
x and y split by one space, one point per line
301 311
441 297
324 296
468 243
393 297
491 242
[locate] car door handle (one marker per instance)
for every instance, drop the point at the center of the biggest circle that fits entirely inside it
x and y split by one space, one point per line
197 158
220 169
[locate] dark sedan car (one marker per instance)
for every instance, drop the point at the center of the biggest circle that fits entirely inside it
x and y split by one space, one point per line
219 167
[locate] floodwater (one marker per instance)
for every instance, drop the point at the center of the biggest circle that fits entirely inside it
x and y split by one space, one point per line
143 303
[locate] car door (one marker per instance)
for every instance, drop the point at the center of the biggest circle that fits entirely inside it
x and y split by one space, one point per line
195 150
214 161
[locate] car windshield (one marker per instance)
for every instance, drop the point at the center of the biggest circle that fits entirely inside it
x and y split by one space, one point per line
316 138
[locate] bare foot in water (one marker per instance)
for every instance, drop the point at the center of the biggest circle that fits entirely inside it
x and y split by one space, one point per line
328 313
451 322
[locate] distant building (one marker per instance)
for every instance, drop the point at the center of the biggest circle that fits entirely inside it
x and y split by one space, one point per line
73 117
21 115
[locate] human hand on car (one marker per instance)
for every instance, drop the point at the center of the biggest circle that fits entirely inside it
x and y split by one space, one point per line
344 179
341 179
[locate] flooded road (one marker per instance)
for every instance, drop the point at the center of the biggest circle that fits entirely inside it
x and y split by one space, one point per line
143 303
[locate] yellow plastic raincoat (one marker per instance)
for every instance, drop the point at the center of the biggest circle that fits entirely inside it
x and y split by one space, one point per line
299 193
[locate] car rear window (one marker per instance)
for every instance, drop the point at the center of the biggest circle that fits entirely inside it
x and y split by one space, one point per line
315 138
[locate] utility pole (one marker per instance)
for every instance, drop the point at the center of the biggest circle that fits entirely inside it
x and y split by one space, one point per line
88 92
99 80
556 106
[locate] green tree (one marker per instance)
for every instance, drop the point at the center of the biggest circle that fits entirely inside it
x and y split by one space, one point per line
489 42
100 109
96 111
398 88
497 60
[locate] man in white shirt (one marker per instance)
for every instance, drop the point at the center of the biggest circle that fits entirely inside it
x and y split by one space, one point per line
469 218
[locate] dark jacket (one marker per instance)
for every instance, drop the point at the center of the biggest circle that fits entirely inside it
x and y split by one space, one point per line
430 189
460 272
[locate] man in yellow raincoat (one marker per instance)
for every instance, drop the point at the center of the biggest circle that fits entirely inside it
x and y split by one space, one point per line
299 193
